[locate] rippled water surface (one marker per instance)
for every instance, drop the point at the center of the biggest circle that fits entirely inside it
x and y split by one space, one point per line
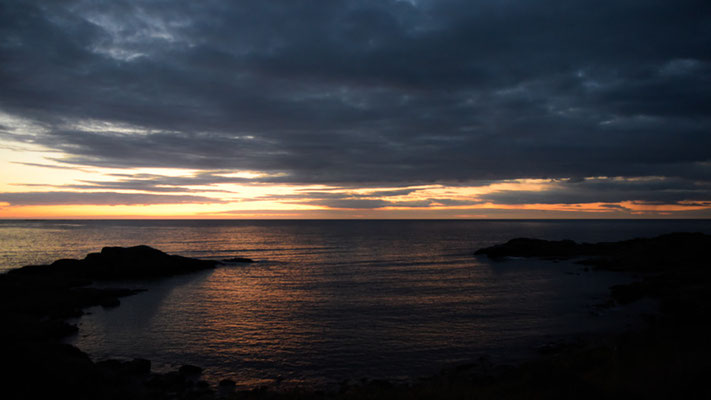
333 300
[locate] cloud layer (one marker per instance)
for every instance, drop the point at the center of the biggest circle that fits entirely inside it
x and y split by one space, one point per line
370 92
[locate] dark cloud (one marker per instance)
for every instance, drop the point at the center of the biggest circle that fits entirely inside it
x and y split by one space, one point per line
145 186
51 166
355 203
160 183
652 190
344 199
336 194
98 198
350 203
367 92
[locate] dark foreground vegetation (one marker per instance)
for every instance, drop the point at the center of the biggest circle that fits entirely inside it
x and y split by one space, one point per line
666 359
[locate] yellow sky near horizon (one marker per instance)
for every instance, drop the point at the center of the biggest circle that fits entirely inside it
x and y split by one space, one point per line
32 178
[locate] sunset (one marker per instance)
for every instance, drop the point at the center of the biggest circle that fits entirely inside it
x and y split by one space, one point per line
344 199
356 109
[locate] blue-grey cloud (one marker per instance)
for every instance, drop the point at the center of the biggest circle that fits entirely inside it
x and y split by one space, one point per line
98 198
652 190
366 92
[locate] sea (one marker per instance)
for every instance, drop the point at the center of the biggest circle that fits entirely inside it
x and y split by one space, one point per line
333 301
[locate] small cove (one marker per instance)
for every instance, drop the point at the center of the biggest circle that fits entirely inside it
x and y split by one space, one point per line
262 324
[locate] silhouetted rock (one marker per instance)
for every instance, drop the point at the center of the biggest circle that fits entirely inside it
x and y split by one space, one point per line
649 254
139 262
36 300
138 366
674 265
226 388
142 262
523 247
227 383
190 370
238 260
116 368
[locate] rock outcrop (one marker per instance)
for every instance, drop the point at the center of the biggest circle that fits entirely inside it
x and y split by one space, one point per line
648 254
35 302
113 263
238 260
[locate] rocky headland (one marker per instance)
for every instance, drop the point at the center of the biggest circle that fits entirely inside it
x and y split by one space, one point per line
673 267
37 300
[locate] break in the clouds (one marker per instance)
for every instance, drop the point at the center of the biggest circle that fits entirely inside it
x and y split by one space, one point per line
369 92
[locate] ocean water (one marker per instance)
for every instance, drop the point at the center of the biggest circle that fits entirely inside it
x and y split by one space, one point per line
328 301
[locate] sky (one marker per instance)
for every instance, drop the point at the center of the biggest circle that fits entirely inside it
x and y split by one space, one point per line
355 109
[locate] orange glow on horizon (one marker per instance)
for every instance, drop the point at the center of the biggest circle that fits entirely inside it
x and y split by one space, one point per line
198 211
28 170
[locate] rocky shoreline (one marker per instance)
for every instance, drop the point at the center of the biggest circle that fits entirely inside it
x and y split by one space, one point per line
35 303
667 359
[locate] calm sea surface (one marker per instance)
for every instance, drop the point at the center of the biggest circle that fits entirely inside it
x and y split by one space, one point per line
334 300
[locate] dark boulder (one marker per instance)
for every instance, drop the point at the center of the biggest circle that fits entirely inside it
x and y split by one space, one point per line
227 383
135 367
190 370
